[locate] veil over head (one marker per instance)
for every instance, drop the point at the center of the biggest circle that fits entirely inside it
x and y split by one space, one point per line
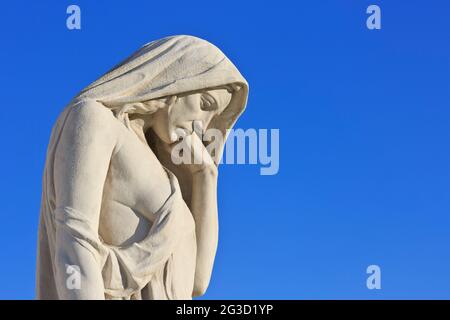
172 66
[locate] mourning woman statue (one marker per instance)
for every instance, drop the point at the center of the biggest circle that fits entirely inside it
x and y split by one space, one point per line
119 218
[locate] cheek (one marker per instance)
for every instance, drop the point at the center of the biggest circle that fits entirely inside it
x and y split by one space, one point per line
161 127
209 117
172 125
180 115
190 110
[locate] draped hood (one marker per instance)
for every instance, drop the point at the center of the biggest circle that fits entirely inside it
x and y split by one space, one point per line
171 66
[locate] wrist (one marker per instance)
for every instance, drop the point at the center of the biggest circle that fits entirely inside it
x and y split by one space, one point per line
210 172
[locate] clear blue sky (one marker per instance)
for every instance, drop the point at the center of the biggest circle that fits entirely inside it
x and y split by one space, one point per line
364 133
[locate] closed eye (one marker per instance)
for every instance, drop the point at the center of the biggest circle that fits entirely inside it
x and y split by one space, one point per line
208 102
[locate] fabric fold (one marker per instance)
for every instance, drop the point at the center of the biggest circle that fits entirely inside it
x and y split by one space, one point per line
128 270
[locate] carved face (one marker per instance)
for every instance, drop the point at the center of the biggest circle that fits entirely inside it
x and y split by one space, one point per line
198 107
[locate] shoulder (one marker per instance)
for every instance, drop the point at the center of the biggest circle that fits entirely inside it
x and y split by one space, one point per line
90 119
91 112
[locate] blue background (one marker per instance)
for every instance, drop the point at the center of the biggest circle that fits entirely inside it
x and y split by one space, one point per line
364 129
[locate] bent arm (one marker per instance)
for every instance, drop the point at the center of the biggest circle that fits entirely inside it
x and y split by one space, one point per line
81 165
204 211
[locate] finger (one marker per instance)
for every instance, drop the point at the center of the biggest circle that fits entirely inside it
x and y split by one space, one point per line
197 127
198 150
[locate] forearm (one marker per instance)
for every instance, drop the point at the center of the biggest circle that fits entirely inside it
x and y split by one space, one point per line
204 210
78 274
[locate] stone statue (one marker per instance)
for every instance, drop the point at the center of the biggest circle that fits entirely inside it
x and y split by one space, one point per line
116 211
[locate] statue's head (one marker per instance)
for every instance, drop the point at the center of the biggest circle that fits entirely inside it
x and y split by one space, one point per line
175 83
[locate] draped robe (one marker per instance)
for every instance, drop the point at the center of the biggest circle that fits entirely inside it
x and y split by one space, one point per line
144 269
